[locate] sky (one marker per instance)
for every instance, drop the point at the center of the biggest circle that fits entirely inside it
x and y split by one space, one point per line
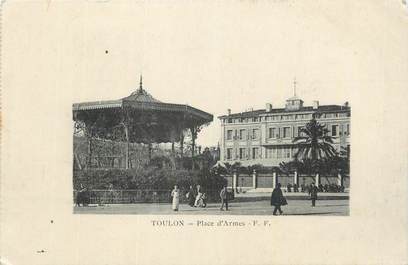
213 56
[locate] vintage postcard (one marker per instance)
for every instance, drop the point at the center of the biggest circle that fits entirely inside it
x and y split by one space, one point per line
229 132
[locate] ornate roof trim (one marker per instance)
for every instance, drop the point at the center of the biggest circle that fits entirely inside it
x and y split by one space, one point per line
105 104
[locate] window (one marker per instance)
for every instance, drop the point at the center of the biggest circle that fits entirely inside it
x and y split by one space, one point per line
286 152
255 153
242 134
270 152
273 133
229 135
348 129
229 153
274 152
279 153
286 132
242 154
334 130
255 133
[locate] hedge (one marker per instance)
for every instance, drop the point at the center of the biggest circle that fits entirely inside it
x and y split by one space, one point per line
146 178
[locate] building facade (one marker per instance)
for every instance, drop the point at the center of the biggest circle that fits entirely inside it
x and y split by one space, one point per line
266 136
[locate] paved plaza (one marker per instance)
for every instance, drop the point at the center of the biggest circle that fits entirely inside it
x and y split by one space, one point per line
263 207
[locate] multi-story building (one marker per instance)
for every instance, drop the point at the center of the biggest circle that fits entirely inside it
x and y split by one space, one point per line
266 136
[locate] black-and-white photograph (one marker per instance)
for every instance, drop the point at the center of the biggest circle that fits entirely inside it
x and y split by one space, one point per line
204 132
140 155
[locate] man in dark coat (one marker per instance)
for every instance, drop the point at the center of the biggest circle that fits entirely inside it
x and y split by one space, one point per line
191 196
224 198
313 194
277 199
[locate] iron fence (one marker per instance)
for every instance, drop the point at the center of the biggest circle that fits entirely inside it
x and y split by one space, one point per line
135 196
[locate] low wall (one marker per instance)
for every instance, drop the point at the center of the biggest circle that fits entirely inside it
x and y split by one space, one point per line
266 180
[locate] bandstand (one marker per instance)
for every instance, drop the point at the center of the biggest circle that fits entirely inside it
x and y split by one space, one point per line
138 118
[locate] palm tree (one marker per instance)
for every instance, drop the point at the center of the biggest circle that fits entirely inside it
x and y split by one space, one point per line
314 143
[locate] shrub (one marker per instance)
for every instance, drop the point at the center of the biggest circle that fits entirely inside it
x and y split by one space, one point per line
151 178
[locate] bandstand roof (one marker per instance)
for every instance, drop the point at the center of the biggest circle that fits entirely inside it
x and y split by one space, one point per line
142 100
146 118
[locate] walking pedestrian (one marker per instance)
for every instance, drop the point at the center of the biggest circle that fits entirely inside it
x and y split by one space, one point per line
198 195
175 193
313 194
224 198
191 196
277 199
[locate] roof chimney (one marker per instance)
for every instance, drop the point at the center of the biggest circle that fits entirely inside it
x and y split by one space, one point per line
346 104
315 104
268 107
229 111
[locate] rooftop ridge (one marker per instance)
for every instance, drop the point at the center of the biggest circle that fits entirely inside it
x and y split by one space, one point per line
257 112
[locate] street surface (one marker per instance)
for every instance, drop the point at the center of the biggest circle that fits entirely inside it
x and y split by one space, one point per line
263 207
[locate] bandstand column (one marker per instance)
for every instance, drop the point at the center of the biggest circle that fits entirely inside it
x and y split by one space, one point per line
172 138
89 162
181 144
173 152
127 146
193 138
317 179
88 135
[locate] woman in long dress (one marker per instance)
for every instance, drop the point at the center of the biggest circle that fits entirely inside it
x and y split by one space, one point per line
198 196
175 193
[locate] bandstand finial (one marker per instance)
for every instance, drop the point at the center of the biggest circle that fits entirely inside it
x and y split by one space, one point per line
141 83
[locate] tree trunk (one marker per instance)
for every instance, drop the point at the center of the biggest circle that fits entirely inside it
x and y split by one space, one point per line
182 145
150 151
173 156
